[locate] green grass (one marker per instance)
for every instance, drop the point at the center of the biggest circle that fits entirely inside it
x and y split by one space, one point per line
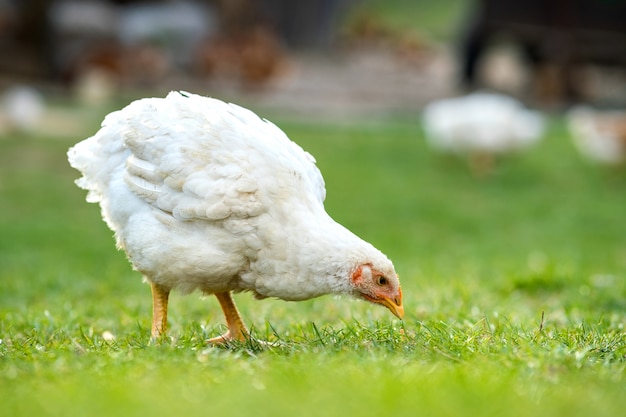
514 290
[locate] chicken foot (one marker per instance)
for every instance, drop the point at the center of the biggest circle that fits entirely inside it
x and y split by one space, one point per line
236 328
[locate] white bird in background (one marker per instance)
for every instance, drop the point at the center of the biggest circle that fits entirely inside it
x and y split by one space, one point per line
23 108
598 135
204 195
481 126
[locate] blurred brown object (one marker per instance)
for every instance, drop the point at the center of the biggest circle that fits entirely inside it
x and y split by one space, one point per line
8 19
126 43
251 56
256 36
368 31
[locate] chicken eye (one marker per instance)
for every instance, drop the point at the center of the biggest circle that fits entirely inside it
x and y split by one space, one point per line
381 280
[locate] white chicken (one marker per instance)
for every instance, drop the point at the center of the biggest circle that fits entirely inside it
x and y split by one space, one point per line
481 126
598 135
204 195
23 108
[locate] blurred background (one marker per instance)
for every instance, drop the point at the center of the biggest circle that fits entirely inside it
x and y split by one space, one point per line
330 58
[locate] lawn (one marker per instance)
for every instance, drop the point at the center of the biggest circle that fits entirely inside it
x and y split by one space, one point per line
514 289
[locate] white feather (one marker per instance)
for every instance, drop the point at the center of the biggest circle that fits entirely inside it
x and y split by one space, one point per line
598 135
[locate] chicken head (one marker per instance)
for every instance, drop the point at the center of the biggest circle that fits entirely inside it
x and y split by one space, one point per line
379 288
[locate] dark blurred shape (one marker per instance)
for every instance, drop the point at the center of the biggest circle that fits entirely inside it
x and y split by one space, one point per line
132 42
137 42
17 43
557 37
308 24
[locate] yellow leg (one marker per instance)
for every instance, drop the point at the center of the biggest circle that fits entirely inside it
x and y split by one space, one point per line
160 297
236 328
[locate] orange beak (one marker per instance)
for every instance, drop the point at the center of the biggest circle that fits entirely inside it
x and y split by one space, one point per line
395 305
